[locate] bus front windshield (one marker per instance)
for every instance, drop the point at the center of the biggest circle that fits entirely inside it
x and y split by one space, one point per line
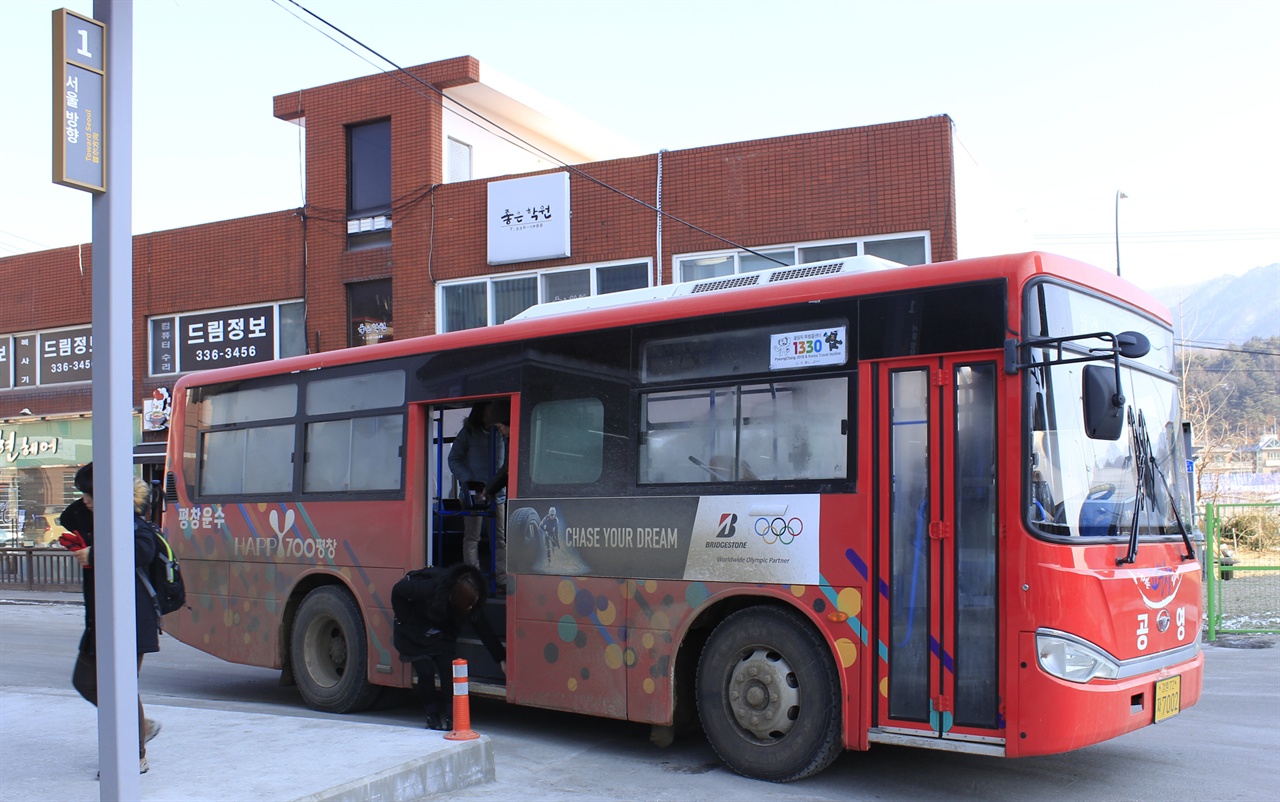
1081 487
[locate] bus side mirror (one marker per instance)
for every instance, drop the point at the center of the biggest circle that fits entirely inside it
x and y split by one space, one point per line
1132 345
1103 404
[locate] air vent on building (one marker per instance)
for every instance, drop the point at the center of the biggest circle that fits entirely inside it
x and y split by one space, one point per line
365 225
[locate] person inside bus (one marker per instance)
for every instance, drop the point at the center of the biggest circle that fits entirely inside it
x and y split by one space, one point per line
471 460
495 490
77 519
430 606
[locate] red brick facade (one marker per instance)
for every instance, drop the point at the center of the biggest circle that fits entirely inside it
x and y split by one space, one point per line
849 183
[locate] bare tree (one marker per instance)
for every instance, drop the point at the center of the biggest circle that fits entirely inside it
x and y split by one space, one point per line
1203 407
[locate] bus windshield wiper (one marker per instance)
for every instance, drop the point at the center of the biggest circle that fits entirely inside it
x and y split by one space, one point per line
1148 469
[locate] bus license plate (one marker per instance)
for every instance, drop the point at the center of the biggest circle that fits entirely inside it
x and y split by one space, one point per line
1168 698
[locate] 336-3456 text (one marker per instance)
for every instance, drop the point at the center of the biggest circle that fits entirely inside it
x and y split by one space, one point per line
233 352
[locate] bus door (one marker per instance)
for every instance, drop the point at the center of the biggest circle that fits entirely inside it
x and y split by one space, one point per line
451 506
937 549
444 509
449 513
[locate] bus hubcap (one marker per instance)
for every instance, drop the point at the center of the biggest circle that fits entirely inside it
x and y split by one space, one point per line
763 695
326 652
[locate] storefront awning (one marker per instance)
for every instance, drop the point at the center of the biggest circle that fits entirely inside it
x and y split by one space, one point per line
148 454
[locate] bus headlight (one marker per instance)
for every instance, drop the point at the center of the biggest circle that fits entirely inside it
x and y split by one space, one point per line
1072 659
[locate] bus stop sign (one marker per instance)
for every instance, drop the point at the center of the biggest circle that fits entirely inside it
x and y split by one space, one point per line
79 100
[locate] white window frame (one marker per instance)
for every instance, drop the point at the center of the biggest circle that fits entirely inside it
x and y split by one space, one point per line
678 260
593 269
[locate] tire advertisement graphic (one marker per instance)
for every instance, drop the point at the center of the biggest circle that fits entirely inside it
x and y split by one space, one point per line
710 538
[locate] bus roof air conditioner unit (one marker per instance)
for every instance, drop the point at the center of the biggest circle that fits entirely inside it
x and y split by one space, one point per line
856 264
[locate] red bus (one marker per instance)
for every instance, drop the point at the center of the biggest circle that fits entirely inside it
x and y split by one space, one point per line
813 508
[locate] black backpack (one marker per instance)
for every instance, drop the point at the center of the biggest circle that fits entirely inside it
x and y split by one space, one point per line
163 577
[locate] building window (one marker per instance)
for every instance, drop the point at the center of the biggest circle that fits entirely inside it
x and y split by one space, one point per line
566 284
464 306
512 296
908 249
458 160
369 185
496 299
369 312
293 328
618 278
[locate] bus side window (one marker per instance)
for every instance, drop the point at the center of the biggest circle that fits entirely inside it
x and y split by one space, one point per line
687 436
795 430
567 443
767 431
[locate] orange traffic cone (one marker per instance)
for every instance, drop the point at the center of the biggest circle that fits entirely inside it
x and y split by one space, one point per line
461 705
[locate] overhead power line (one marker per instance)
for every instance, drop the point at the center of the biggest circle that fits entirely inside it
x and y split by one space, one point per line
1137 237
1193 345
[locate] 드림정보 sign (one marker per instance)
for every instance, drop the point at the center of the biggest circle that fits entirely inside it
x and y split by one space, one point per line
79 101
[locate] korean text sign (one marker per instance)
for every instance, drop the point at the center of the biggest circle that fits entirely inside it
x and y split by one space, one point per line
79 101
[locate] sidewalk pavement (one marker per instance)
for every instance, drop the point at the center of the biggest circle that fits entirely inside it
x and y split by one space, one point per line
225 756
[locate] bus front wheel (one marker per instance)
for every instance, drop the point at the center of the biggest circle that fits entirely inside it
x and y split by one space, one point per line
768 695
329 652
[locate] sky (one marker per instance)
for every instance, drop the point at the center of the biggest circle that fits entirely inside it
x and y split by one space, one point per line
1062 105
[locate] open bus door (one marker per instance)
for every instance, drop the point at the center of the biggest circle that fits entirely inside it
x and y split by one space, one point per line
444 532
936 482
447 516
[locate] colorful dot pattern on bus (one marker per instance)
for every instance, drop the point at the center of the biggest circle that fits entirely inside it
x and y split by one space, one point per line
594 649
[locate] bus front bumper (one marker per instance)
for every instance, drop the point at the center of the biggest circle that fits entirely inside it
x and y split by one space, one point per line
1055 715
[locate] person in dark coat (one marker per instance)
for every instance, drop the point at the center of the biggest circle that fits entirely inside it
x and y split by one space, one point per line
78 518
430 606
495 490
472 461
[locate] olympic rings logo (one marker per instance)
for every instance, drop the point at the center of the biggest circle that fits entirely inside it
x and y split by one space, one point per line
777 530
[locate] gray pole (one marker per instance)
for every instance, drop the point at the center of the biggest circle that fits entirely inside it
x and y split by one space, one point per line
113 420
1119 195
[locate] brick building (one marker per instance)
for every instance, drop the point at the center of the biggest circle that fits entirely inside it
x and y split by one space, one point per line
445 199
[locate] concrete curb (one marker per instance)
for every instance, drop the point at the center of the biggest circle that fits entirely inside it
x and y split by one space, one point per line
438 773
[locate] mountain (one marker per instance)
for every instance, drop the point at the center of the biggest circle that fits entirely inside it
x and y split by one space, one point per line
1226 309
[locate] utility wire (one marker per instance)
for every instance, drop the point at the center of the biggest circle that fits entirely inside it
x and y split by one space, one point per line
1141 237
516 138
1199 347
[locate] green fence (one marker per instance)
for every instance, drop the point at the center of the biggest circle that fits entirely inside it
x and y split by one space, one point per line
1242 598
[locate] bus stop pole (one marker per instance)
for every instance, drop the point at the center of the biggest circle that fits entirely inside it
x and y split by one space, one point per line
117 654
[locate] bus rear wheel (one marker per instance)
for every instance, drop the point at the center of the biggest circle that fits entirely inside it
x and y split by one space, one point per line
768 695
329 652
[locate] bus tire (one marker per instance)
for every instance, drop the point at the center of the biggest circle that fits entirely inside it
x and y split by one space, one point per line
329 652
768 695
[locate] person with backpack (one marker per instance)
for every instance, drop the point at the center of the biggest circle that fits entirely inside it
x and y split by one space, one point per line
77 518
